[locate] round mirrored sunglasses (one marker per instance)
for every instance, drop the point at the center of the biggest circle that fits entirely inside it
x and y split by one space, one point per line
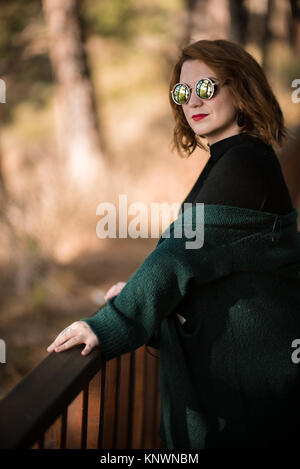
205 89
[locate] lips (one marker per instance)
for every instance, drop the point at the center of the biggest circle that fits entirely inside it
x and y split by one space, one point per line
198 117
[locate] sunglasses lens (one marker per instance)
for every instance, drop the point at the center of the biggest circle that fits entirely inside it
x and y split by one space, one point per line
204 89
181 94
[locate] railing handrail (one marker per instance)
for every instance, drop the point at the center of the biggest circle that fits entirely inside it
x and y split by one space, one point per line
42 395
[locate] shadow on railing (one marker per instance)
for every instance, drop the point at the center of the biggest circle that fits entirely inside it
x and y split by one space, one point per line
75 401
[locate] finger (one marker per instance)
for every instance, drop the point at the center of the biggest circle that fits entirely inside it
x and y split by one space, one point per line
52 346
112 289
69 344
111 292
60 339
121 284
56 343
110 296
87 349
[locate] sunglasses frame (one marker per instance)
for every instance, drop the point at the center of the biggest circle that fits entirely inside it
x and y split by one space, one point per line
213 81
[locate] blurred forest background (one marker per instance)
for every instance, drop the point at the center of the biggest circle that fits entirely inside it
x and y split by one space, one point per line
87 118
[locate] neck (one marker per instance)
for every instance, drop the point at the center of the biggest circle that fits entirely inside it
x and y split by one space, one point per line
215 137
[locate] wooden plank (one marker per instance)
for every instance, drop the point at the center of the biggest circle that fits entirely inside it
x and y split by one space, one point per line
35 412
84 420
74 423
150 401
94 411
131 428
63 433
158 442
122 441
117 399
53 435
36 402
139 392
102 403
110 404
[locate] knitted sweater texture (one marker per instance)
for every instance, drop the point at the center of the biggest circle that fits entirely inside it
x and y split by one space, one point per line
226 373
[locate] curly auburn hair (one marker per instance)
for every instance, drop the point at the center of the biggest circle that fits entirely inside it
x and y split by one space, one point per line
258 111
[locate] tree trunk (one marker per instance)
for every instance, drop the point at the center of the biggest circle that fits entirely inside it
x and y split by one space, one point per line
10 238
77 124
205 20
267 35
190 7
294 26
239 18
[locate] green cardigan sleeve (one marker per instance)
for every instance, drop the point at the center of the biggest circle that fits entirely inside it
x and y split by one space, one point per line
129 319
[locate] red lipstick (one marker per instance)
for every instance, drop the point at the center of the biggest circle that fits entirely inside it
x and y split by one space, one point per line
198 117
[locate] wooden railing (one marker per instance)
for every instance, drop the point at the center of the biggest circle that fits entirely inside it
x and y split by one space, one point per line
75 401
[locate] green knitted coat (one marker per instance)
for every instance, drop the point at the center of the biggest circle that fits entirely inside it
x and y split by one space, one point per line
226 374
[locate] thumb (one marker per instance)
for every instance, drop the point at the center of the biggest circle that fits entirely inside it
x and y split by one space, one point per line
86 349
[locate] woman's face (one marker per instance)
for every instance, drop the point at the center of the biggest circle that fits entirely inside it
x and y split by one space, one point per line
220 121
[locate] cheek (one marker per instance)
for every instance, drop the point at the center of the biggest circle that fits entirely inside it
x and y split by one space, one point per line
185 112
222 108
224 104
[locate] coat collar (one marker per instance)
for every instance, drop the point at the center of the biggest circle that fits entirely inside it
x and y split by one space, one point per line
217 149
235 222
229 216
255 240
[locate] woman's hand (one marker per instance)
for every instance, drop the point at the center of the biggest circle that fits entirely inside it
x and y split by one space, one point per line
114 290
77 333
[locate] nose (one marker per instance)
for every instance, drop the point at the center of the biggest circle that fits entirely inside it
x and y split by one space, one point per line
194 99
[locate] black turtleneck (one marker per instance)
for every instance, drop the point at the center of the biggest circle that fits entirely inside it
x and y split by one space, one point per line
242 171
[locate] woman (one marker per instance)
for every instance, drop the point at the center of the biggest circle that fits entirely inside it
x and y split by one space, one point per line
224 315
